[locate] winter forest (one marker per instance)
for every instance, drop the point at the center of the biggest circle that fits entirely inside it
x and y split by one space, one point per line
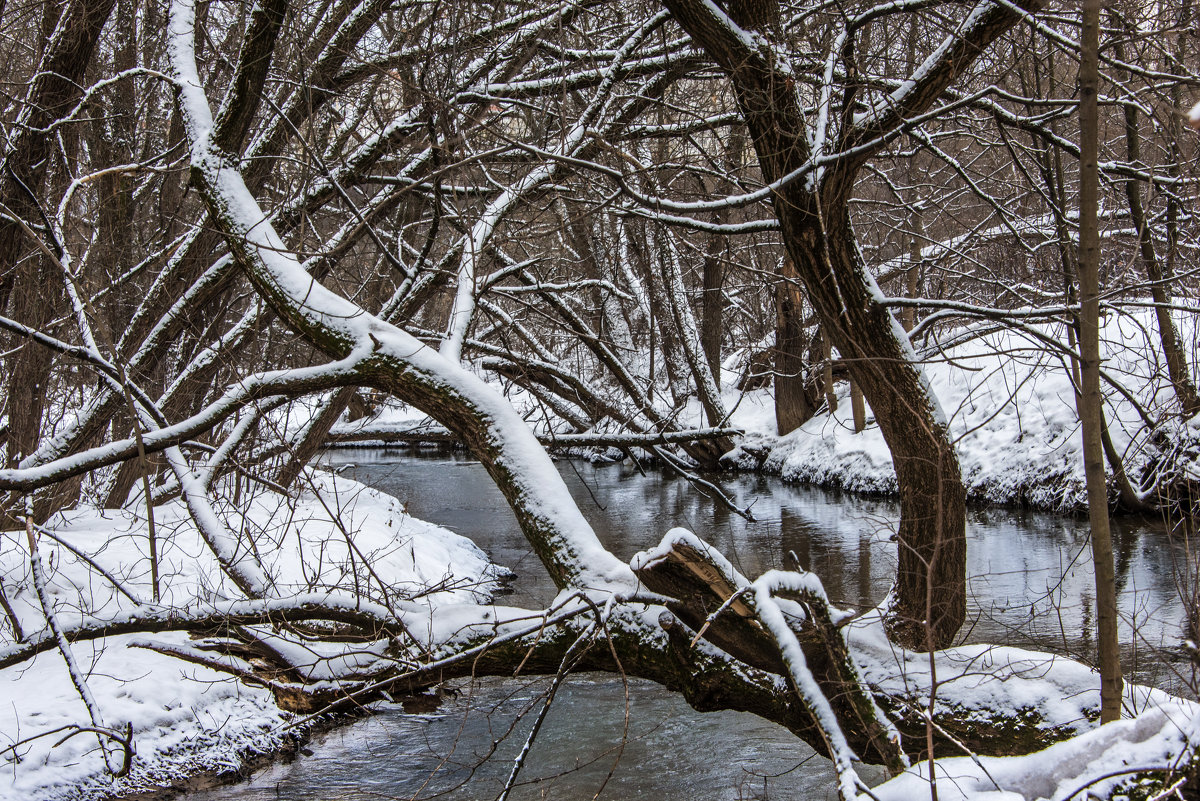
711 399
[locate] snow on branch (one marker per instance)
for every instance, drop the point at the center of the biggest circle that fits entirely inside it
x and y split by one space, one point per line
256 387
388 356
201 616
985 22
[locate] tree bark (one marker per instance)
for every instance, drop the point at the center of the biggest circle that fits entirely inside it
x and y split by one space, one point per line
52 93
929 604
1091 411
912 275
1160 280
930 595
315 436
29 285
796 396
857 407
712 308
831 402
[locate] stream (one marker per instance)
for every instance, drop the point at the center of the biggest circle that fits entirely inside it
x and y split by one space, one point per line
1029 585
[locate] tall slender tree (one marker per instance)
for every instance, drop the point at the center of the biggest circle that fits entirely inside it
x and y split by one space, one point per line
1089 398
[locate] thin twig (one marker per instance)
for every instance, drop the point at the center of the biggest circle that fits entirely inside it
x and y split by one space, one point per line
77 677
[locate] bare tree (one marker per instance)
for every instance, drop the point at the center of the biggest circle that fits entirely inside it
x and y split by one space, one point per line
239 211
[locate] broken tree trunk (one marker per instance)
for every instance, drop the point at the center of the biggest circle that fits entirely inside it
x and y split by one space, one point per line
718 604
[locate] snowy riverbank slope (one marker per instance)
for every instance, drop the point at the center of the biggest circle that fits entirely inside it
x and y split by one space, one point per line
1158 732
1007 395
187 718
1105 762
1011 407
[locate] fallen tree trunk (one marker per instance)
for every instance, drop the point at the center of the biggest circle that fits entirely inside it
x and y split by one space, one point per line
644 637
587 440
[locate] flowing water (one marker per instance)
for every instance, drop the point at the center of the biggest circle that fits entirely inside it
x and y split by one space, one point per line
1030 585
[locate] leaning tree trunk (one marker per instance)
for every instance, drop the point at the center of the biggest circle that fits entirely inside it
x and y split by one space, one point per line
1160 280
72 31
53 92
930 593
929 603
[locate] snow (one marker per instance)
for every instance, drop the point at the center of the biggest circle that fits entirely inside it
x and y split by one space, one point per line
345 327
1011 410
898 97
391 417
772 617
981 681
749 41
1160 730
681 536
1012 416
1093 763
187 718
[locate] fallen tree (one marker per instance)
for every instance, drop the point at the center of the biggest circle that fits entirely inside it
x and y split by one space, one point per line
678 614
767 622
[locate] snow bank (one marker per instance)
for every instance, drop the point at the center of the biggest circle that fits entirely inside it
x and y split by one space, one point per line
391 417
1160 732
1007 395
1012 416
1092 765
188 718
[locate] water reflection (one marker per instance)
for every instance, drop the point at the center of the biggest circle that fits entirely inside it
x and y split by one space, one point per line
1030 580
1030 585
661 751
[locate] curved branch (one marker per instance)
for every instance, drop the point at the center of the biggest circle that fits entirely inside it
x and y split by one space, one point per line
390 359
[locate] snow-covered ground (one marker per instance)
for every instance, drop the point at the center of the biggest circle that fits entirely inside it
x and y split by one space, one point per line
1158 732
1101 763
1011 407
978 684
1012 414
187 718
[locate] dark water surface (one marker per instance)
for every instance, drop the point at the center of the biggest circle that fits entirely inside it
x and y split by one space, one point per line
1030 585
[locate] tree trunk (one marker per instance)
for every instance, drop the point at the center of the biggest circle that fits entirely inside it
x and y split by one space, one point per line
313 437
712 308
35 301
857 407
1160 286
831 402
688 330
662 321
930 594
929 604
912 276
53 92
795 397
1090 400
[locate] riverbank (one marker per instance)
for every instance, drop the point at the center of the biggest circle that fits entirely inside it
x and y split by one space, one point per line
186 719
187 777
827 531
1010 407
843 538
1008 400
